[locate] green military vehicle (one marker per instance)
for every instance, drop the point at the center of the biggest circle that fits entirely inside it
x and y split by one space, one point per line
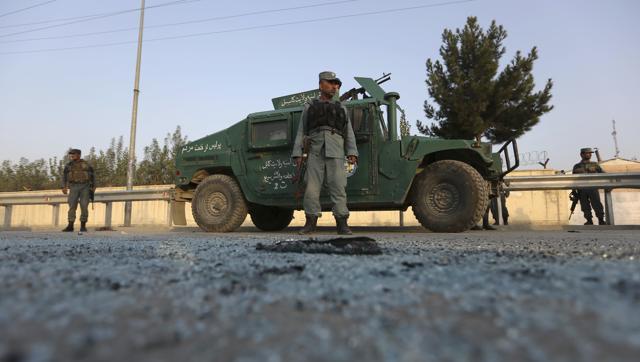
247 168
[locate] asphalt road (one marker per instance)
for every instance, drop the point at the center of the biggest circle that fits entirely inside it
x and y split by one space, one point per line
571 295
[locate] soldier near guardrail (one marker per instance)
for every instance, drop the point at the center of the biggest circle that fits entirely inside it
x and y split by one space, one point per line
485 220
589 197
326 125
78 181
503 204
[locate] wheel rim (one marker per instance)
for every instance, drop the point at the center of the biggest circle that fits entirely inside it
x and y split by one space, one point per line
444 198
216 204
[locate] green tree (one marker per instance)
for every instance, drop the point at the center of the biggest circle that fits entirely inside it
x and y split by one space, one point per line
25 175
152 167
56 166
405 127
158 165
472 99
7 177
110 166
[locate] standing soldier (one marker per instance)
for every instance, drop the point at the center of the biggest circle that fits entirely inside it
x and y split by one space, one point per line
78 179
503 204
325 125
589 197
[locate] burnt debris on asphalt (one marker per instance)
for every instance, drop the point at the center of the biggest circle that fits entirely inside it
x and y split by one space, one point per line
360 245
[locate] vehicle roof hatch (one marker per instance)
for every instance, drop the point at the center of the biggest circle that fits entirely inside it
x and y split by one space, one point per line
371 87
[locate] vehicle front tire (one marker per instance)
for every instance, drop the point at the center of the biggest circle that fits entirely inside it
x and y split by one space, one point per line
270 218
218 204
449 196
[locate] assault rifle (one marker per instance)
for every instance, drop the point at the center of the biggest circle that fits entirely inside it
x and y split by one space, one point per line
92 195
353 92
574 196
597 151
301 168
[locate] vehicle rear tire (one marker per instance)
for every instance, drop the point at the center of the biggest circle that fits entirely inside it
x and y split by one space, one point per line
218 204
270 218
449 196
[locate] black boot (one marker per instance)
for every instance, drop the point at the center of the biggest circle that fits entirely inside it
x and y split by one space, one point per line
69 227
309 225
485 224
589 222
83 226
341 225
506 221
601 221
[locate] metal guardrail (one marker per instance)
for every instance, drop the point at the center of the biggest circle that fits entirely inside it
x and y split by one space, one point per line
605 181
568 182
159 193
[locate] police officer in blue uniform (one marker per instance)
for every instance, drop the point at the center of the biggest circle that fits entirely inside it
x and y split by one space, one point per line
326 125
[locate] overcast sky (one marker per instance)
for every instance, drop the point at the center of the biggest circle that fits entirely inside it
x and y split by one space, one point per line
53 99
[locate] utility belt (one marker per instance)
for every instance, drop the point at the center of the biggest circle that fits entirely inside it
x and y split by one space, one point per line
327 128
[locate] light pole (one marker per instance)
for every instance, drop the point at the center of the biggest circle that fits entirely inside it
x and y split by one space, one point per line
134 120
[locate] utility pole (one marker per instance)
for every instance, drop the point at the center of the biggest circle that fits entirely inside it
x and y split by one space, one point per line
615 138
134 120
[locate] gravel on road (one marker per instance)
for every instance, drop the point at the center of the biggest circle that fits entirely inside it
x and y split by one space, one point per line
193 296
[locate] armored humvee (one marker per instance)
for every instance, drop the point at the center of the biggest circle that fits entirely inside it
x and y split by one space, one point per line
247 168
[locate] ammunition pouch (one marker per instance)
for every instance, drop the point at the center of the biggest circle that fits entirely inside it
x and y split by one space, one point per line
326 114
79 172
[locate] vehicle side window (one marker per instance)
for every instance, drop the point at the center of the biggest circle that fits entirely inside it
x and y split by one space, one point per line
359 117
269 131
382 116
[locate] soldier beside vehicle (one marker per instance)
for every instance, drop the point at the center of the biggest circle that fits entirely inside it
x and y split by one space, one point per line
500 201
588 198
78 181
325 125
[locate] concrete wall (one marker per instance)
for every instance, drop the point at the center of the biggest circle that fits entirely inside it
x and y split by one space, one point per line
531 207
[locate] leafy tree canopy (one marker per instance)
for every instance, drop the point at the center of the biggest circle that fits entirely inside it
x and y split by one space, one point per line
472 98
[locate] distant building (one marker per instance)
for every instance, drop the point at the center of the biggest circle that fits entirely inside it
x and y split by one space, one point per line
625 201
620 165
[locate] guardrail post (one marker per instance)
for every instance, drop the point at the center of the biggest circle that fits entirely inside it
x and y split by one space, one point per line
170 213
107 214
55 214
608 202
7 216
178 216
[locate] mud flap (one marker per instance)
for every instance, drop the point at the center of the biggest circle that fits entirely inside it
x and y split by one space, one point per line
177 213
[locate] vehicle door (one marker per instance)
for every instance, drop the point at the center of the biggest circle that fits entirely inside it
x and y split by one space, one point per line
363 181
268 161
